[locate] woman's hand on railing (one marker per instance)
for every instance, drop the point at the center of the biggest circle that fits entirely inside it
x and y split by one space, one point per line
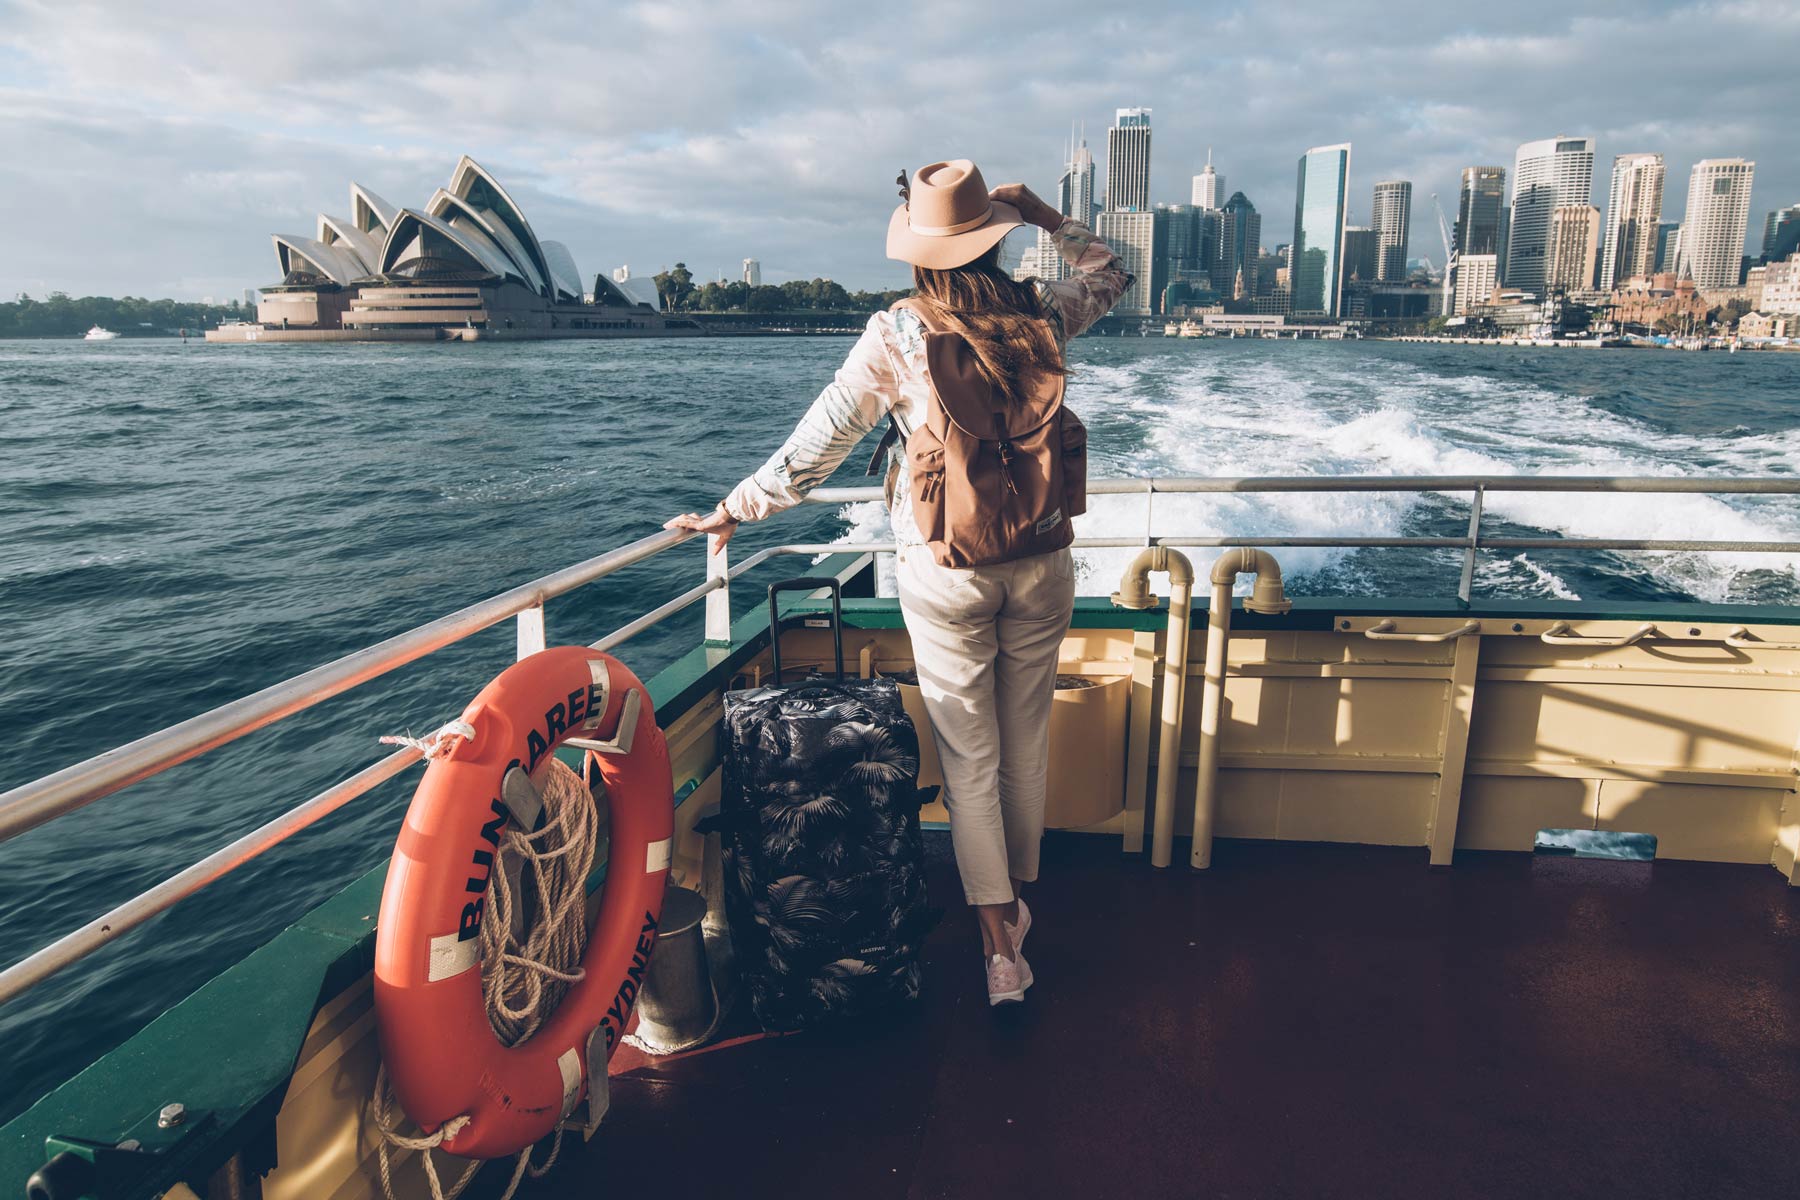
717 525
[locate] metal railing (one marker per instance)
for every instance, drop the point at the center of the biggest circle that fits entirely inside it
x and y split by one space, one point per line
32 804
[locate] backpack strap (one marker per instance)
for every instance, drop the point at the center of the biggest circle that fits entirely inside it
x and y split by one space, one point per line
895 434
888 440
919 309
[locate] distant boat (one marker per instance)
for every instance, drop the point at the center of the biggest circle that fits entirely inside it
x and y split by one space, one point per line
97 334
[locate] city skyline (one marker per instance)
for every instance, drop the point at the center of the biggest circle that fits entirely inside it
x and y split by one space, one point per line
782 130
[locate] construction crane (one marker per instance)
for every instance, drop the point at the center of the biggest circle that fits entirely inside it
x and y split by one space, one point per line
1449 251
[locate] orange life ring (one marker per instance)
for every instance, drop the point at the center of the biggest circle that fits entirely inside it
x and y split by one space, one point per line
439 1049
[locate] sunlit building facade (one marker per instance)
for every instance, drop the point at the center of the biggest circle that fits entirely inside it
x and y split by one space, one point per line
1128 161
1391 218
1574 236
1546 174
1712 229
1138 238
1633 217
1209 185
1476 277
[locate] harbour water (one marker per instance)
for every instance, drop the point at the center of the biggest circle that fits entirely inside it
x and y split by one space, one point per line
186 524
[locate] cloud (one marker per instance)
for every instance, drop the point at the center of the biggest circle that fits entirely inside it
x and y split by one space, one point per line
709 132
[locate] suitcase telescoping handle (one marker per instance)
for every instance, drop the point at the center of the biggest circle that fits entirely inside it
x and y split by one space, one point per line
807 583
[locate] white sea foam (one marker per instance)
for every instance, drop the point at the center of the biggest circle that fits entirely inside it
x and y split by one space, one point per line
1519 576
1282 413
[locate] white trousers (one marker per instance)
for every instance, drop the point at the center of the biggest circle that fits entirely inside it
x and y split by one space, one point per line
985 642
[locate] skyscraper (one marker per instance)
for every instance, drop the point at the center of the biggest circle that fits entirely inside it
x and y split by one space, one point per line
1320 191
1633 212
1558 170
1392 218
1781 233
1074 198
1574 238
1209 185
1478 210
1712 229
1240 237
752 272
1128 161
1075 190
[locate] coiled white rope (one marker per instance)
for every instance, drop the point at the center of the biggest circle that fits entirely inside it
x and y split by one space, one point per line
522 982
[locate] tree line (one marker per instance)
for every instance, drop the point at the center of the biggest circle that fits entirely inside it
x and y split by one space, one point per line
680 293
62 315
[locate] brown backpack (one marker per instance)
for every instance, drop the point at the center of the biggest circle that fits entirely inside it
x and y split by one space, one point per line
992 481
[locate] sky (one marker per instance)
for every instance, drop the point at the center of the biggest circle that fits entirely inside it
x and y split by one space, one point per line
148 154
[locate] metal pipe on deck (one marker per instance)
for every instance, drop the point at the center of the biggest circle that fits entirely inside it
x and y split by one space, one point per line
1267 596
1134 592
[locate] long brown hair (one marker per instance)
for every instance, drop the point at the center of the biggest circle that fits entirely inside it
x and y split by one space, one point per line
1002 319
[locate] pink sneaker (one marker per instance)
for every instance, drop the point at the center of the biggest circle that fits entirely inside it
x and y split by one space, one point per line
1017 932
1007 979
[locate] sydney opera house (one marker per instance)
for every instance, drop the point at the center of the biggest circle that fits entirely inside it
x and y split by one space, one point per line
466 266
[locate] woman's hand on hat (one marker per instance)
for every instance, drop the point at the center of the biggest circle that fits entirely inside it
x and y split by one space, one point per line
1030 207
718 525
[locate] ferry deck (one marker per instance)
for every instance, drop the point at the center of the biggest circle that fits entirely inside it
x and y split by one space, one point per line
1331 952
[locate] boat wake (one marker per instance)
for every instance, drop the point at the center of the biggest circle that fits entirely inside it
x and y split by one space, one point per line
1282 412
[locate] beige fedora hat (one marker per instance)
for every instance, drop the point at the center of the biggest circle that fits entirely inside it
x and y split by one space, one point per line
948 219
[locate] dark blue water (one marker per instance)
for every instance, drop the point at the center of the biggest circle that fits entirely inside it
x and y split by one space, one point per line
181 525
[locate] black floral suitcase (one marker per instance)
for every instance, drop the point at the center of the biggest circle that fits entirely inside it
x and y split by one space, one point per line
819 817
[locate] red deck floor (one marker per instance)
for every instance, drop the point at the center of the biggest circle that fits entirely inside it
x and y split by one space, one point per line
1300 1021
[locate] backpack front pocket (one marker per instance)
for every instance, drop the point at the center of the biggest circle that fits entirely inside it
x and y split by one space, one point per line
925 468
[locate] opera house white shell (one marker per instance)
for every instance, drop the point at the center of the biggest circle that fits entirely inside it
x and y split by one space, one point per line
465 266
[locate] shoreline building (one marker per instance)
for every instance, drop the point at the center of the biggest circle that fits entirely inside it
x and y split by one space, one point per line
1781 233
1477 275
1481 212
752 272
1235 259
1316 257
1362 252
1074 198
1546 174
1633 219
1209 185
1139 239
466 266
1128 161
1128 224
1190 231
1781 287
1668 246
1713 227
1075 189
1391 217
1574 242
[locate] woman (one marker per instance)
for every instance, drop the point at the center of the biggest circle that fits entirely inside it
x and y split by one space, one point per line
985 639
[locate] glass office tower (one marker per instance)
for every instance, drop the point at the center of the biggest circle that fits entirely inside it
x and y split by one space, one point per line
1320 193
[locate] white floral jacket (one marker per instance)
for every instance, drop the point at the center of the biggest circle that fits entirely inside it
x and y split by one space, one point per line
885 372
